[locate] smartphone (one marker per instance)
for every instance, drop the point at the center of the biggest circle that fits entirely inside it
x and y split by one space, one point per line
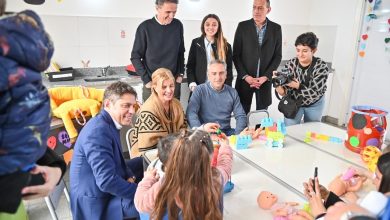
34 180
315 175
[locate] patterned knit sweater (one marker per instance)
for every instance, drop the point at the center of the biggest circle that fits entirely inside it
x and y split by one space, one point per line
315 88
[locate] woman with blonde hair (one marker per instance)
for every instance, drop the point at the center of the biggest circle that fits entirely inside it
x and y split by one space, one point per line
209 46
160 115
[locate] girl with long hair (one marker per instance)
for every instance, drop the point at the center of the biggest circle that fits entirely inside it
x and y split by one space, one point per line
209 46
191 188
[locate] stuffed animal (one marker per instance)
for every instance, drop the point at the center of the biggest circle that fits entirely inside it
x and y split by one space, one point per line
60 95
74 109
75 102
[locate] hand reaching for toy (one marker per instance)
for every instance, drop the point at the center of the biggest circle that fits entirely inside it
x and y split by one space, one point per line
211 127
257 133
252 132
221 138
151 174
247 131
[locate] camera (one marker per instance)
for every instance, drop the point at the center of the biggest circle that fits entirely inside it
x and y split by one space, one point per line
282 78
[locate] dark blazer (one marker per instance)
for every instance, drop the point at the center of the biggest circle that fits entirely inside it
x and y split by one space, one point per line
98 172
197 62
247 52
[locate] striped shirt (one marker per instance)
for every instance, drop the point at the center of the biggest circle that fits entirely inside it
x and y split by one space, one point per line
313 90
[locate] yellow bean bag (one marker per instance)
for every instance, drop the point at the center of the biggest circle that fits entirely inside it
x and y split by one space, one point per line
62 94
77 108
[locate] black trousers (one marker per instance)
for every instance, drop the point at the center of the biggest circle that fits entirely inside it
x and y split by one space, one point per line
245 92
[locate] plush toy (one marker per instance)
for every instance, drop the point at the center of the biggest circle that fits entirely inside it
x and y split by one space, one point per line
60 95
347 183
75 109
75 102
370 156
280 210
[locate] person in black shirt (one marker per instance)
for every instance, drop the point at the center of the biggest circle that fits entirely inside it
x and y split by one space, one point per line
211 45
159 42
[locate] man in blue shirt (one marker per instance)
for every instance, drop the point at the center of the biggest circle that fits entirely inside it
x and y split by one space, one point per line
214 101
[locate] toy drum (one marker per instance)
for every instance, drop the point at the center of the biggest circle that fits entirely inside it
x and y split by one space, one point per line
366 127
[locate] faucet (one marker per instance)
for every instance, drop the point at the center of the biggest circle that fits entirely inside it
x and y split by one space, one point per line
105 70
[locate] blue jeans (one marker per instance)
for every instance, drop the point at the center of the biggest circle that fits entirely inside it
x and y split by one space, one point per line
310 113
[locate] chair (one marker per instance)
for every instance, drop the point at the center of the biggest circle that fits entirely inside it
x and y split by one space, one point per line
254 117
148 156
128 140
53 199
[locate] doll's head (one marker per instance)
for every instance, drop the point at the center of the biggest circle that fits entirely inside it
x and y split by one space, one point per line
266 200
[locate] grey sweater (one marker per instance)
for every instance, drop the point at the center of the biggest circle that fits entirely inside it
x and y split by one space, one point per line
208 105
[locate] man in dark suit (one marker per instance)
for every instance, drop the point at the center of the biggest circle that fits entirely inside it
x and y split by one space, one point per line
257 51
102 183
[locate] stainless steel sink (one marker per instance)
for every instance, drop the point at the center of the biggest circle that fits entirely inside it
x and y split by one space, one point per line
102 78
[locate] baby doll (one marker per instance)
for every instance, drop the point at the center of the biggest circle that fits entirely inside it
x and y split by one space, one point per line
280 210
348 183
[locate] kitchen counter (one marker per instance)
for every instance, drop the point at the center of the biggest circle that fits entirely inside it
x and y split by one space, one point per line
83 73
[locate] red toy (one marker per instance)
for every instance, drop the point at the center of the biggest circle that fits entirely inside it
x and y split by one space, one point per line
215 154
366 127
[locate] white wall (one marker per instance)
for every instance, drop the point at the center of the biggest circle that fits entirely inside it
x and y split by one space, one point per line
90 30
228 10
346 15
335 22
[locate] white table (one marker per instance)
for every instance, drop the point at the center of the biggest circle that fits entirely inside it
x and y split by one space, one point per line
294 164
241 203
338 150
